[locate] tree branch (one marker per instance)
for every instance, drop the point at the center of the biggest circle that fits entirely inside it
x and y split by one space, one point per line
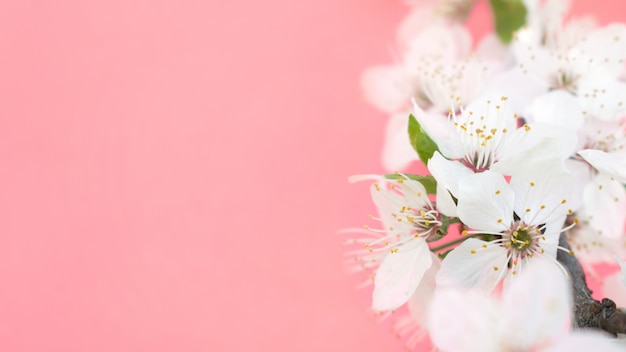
588 312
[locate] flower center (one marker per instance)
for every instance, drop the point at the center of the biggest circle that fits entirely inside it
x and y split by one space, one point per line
479 162
427 222
523 240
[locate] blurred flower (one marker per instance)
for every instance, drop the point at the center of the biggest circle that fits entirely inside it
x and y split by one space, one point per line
532 315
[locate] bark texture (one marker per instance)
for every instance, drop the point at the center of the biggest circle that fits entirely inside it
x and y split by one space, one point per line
588 312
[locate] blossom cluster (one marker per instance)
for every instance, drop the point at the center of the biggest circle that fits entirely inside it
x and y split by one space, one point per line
524 145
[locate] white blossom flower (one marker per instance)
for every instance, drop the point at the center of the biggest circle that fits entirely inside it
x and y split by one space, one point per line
436 69
526 216
484 136
586 65
398 252
391 87
532 315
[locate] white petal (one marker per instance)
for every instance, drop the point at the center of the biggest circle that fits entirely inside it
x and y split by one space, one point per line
602 97
522 146
397 150
419 303
604 202
485 202
544 191
491 48
474 263
387 87
389 202
449 42
445 203
415 195
540 298
612 164
566 137
607 45
581 171
557 107
521 88
463 321
447 173
399 275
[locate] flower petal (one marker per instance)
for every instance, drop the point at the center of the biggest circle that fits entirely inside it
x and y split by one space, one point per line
445 203
607 45
544 191
463 320
388 88
520 87
540 297
557 107
422 298
389 202
613 164
474 263
399 275
604 202
447 173
485 202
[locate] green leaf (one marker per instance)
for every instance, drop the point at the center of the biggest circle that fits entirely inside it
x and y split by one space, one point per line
508 16
427 181
420 141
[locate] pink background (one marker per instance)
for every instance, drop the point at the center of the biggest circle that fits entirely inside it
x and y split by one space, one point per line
174 172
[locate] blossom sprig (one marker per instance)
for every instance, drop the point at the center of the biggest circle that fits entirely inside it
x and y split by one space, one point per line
398 247
524 142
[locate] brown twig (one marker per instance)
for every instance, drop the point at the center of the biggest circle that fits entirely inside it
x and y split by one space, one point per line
588 312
